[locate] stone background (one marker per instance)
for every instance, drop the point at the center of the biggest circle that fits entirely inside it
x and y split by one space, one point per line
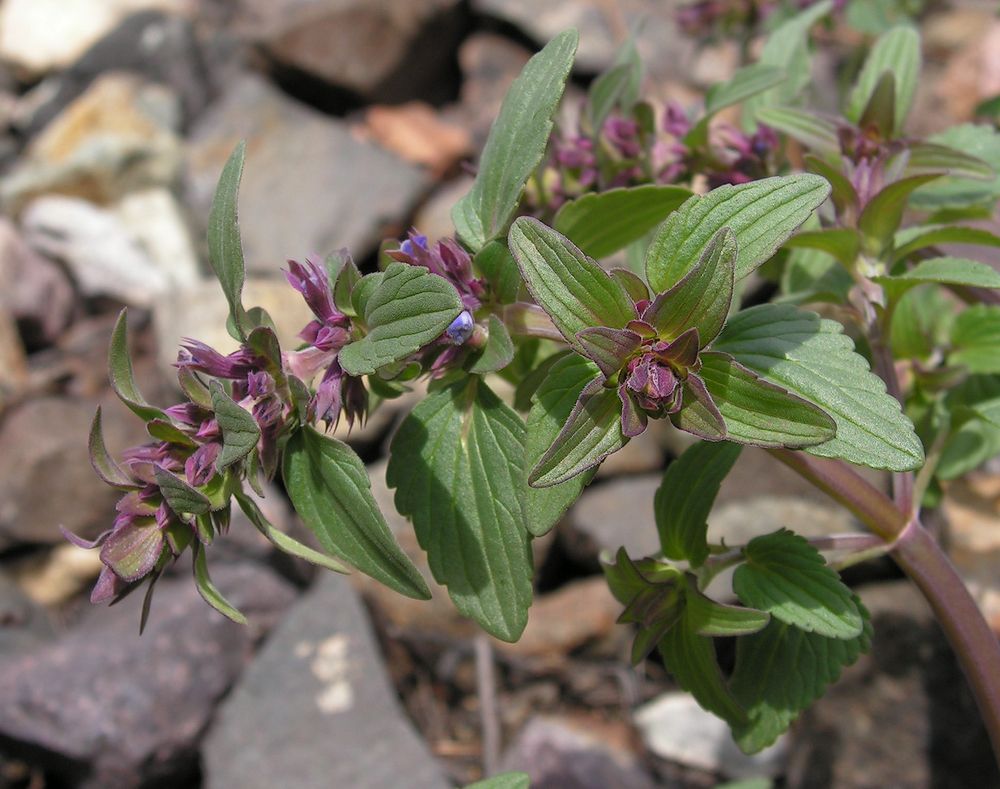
361 117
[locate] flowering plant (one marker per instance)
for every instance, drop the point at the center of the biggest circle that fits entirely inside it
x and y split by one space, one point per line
596 351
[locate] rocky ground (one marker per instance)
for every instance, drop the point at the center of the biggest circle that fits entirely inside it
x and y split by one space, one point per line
115 119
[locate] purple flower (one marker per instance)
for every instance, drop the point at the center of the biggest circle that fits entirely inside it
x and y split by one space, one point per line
312 281
623 134
198 356
449 260
199 468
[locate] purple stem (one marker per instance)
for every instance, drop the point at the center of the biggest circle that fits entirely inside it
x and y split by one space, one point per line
927 565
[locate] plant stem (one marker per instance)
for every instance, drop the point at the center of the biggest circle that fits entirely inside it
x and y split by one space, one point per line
974 642
926 564
839 481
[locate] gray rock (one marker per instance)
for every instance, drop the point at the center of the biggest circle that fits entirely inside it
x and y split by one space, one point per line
383 50
33 289
41 35
309 186
136 256
45 474
23 623
159 47
107 709
489 63
902 716
559 754
316 709
676 728
758 497
602 26
120 135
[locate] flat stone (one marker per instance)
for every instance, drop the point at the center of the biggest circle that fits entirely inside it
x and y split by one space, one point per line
137 254
417 133
489 63
387 50
199 311
315 709
23 623
116 137
46 479
57 576
40 35
675 728
104 708
308 187
33 289
575 753
603 27
160 47
13 358
902 716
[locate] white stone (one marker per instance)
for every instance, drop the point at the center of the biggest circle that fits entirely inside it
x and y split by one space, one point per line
104 258
42 35
154 219
674 727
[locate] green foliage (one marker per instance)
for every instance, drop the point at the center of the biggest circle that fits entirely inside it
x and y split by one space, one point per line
686 495
455 463
761 215
240 432
789 579
575 292
550 409
812 358
601 223
975 339
897 52
225 249
782 670
330 490
122 377
516 143
208 590
404 309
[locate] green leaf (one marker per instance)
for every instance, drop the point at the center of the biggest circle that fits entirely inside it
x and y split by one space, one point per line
702 298
974 440
225 250
896 51
691 659
550 409
180 497
759 412
711 618
747 82
980 141
575 292
605 92
601 223
815 132
406 309
516 143
503 781
498 266
122 378
989 412
975 339
686 495
811 275
240 432
105 466
913 239
812 358
947 271
330 490
785 576
842 192
162 430
634 285
788 48
920 323
456 464
210 594
881 217
879 113
840 242
782 670
498 351
761 214
591 433
134 552
925 157
282 541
